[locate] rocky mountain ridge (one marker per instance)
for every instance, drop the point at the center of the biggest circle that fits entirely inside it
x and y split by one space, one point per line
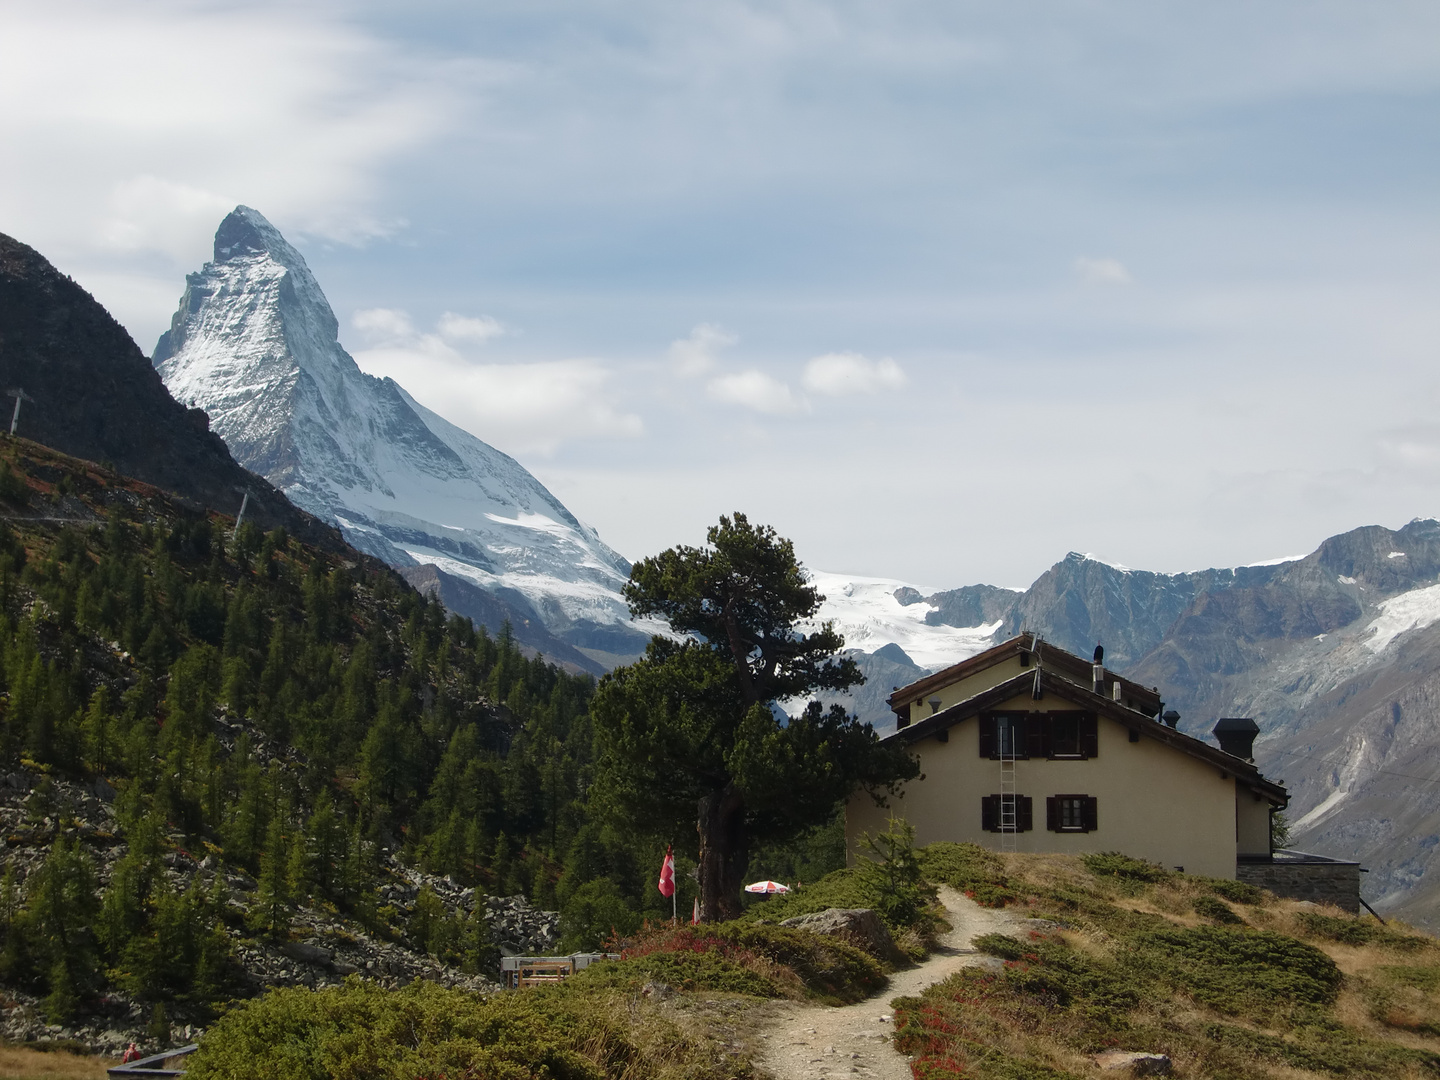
1336 655
89 391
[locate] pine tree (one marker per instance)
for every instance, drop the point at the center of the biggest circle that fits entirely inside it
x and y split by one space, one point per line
689 733
274 897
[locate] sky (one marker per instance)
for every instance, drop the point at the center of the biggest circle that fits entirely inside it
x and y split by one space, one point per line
940 290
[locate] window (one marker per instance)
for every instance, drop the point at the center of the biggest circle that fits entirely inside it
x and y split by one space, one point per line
1071 813
1004 734
1001 812
1010 735
1061 734
1065 735
1072 735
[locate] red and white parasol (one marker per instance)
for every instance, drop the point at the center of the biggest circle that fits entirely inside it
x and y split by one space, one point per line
767 887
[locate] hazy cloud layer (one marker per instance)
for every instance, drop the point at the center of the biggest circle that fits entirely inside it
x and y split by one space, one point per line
521 408
839 374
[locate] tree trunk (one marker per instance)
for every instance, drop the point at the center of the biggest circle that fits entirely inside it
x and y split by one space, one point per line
724 853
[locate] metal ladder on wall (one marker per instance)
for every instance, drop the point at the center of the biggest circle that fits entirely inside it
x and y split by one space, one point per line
1009 810
1009 747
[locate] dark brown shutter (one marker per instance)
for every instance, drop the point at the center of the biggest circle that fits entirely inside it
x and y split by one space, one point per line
990 813
1092 816
1037 735
1052 813
1089 736
1024 813
987 736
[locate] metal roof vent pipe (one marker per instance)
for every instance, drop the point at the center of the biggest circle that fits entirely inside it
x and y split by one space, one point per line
1236 735
1097 673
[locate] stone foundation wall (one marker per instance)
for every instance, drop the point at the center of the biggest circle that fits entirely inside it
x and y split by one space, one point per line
1324 883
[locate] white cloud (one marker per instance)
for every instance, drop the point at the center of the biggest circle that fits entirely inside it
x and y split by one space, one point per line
835 374
477 329
384 325
1102 271
292 109
754 390
520 408
695 355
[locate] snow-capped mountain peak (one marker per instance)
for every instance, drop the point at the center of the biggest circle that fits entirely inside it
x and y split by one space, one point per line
255 343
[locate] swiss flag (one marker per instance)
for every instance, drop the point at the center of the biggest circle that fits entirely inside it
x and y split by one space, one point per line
667 874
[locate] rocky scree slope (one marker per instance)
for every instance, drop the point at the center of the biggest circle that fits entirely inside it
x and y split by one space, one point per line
322 948
120 767
255 344
92 393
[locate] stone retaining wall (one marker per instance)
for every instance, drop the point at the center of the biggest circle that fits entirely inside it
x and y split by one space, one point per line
1326 882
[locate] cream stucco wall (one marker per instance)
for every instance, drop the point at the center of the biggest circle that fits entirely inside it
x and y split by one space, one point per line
965 689
1153 801
1252 822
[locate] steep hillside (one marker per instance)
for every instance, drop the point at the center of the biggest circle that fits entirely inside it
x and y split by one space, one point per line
255 344
91 392
230 760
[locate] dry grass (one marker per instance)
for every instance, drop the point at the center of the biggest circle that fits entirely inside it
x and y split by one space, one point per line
23 1063
1050 1010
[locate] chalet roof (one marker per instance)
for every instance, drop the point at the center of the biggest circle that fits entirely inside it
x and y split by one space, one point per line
1055 682
1144 698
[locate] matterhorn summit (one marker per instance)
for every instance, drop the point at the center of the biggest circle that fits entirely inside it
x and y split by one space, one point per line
255 344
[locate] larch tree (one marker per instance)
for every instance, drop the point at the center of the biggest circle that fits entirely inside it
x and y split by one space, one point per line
690 732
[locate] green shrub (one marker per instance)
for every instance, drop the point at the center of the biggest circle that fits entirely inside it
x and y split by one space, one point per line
360 1032
892 871
1116 865
848 888
1358 931
1317 1049
1216 910
594 914
830 969
1239 971
1421 978
689 971
970 868
1237 892
1001 945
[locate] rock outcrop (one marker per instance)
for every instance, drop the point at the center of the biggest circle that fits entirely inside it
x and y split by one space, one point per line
90 392
860 927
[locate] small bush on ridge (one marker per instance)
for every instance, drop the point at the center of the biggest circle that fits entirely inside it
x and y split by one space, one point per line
1216 910
1114 864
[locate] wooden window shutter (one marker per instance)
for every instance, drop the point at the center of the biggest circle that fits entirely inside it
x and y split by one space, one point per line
987 736
1052 813
1092 816
1037 735
990 813
1089 736
1024 813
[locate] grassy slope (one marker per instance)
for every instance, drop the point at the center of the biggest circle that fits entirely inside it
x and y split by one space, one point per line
1227 981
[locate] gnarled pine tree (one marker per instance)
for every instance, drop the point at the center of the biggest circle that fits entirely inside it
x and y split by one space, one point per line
688 732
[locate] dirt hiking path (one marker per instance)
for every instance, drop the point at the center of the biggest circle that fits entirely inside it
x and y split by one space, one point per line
811 1042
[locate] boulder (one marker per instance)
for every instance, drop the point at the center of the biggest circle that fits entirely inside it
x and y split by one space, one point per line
1133 1063
856 926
